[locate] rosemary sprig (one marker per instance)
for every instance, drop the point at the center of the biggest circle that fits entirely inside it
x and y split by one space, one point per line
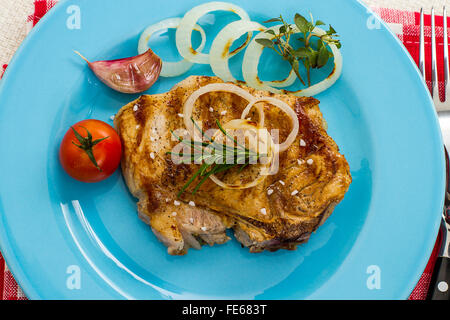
311 55
214 156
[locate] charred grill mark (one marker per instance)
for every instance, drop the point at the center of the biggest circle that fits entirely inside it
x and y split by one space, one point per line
236 107
208 124
139 137
311 133
140 117
244 194
139 113
267 227
153 202
175 174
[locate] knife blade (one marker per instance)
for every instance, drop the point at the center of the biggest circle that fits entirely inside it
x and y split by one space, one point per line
440 281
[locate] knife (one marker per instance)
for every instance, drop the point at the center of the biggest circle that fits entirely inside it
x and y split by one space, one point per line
440 280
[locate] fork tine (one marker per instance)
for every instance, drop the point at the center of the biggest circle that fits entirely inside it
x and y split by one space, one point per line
446 65
434 77
422 45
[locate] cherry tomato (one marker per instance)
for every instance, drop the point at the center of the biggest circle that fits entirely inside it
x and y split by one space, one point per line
90 151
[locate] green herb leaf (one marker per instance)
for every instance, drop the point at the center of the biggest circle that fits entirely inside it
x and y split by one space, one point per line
301 23
266 43
331 31
301 53
313 55
319 23
322 57
273 20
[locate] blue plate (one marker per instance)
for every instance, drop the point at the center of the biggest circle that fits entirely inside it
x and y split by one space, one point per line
67 240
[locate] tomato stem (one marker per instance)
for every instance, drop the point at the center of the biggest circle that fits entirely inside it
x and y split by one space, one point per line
87 145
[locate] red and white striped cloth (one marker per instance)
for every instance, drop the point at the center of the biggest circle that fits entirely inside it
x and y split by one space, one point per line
405 24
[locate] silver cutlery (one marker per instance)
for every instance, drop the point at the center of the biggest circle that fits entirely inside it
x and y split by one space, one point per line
440 282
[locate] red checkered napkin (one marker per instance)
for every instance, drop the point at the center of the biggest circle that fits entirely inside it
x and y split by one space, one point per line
405 24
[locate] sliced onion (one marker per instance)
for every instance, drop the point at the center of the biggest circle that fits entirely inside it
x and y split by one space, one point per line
220 49
273 149
251 62
288 110
241 124
170 69
213 87
184 31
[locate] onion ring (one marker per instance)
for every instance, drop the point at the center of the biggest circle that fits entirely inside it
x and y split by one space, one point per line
213 87
169 69
220 48
184 30
288 110
251 61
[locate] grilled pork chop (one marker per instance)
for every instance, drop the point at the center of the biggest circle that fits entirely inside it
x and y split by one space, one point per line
279 213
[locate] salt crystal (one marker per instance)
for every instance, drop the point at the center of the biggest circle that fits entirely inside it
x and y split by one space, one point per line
302 143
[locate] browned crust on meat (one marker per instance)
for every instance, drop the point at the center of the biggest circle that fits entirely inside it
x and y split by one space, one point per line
290 220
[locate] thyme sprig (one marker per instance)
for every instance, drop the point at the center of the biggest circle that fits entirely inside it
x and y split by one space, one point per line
213 156
311 55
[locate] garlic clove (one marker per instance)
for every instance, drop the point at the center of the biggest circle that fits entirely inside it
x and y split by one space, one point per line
128 75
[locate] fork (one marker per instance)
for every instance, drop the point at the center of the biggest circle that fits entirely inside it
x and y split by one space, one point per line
439 286
440 105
